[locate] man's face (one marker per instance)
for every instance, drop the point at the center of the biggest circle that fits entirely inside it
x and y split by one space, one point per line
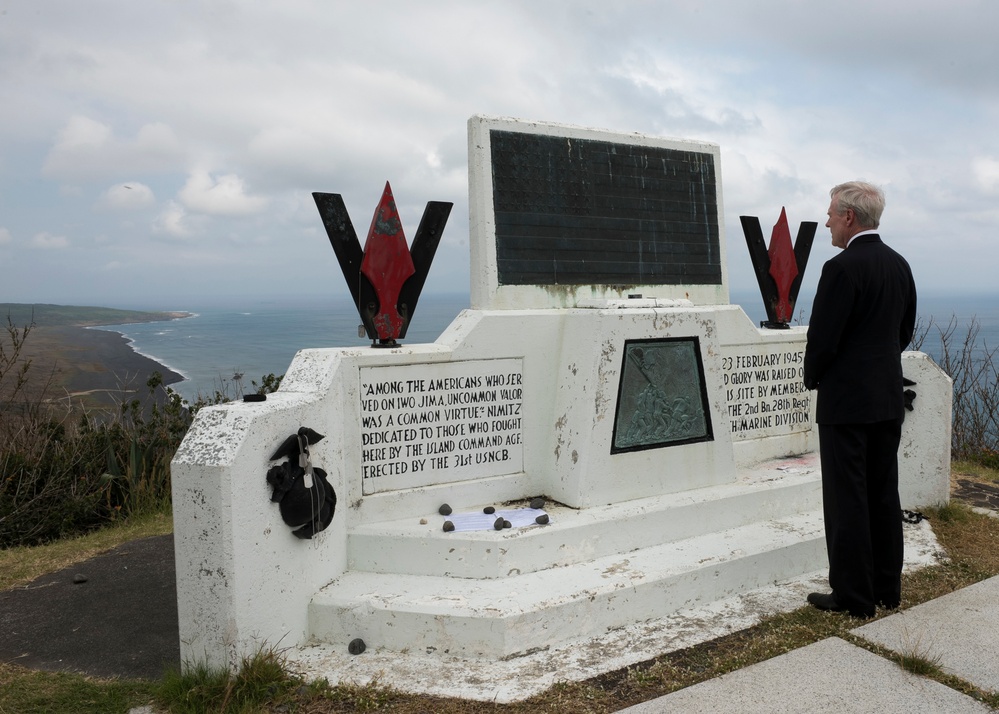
840 225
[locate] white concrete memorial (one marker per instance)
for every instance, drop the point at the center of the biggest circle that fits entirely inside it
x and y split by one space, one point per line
600 367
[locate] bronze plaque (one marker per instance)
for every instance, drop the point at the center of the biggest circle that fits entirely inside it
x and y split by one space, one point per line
662 399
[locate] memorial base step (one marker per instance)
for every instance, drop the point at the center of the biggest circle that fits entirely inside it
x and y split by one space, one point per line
417 545
511 616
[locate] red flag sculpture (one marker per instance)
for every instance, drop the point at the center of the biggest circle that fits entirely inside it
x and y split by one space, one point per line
387 264
783 267
386 277
780 268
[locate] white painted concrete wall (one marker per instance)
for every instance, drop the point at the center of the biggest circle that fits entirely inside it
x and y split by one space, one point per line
924 453
244 581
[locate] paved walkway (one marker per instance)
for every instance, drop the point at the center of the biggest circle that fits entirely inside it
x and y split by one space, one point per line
114 615
960 631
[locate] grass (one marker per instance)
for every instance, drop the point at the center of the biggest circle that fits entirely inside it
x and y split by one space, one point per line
263 684
21 565
261 679
975 471
23 691
918 661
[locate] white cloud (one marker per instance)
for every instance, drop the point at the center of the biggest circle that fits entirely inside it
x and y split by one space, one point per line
275 101
222 196
83 133
172 221
5 236
87 148
129 196
48 241
985 169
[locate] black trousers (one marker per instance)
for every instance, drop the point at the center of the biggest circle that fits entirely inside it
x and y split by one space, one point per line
863 516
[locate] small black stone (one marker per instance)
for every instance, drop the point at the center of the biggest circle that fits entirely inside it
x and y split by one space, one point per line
80 578
489 510
444 510
356 646
542 519
507 524
537 502
448 526
498 525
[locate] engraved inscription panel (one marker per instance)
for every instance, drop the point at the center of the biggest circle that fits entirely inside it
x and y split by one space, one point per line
662 399
764 391
439 423
572 211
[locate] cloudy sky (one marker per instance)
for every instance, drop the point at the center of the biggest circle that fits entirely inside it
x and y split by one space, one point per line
162 152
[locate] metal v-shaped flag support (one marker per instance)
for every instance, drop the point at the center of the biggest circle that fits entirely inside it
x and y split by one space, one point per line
387 276
780 268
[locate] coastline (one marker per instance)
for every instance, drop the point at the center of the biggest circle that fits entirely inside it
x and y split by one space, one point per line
120 356
95 368
176 375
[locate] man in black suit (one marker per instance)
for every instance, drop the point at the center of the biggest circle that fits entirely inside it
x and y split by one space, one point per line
862 318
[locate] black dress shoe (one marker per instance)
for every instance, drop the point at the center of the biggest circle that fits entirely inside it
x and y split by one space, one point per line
829 603
825 601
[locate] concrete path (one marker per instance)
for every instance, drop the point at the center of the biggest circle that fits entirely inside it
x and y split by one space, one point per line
114 615
959 631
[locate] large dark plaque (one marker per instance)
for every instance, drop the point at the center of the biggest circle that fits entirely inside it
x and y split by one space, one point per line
583 212
662 399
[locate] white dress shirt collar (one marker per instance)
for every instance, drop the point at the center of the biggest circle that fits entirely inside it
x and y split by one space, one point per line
862 233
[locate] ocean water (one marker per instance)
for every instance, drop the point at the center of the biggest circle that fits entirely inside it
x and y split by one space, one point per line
933 316
256 338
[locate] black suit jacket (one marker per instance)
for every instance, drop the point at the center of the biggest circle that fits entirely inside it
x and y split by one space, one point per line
862 318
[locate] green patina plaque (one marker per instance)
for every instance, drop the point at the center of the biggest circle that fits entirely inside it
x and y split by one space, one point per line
662 399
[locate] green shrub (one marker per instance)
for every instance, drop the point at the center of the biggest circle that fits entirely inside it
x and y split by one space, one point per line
65 473
973 366
67 478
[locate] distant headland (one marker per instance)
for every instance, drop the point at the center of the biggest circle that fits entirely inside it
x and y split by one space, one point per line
93 368
46 315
